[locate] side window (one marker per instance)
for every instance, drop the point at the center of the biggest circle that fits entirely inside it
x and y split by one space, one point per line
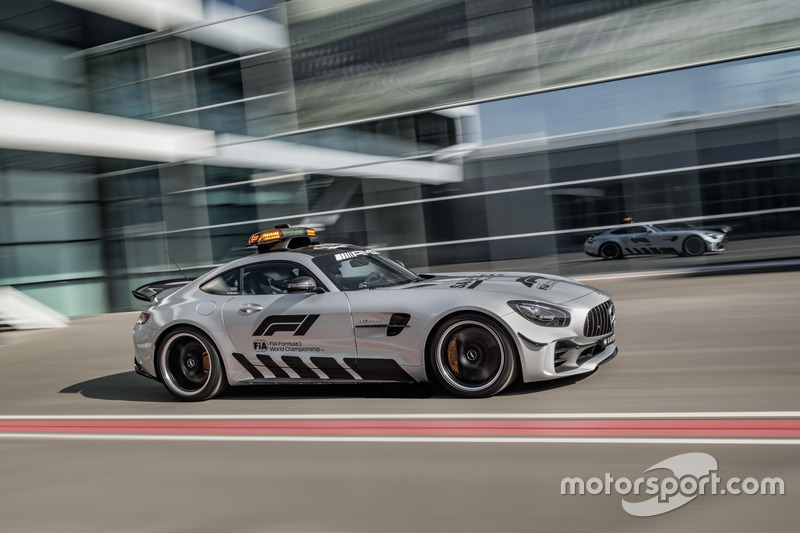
271 277
629 230
227 283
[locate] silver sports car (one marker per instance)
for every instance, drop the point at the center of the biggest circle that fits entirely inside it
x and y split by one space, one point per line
303 312
649 239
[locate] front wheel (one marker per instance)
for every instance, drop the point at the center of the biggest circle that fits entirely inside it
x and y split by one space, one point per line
694 246
190 366
472 357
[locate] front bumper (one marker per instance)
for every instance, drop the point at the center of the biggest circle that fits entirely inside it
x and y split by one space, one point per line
717 246
551 353
563 358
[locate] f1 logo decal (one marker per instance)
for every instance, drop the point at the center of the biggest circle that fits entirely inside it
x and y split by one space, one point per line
299 324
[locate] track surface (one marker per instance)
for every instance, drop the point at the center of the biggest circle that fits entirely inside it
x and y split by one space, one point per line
706 364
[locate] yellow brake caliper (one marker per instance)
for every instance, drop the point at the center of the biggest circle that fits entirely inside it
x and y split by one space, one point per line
452 356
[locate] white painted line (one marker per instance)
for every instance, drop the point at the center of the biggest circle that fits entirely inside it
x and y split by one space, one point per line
421 416
428 440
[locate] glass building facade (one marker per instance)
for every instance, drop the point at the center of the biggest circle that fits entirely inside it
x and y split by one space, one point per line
138 137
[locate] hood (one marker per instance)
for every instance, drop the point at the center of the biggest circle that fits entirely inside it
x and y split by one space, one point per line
520 285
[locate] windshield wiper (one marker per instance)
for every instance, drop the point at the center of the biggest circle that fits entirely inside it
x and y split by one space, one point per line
407 281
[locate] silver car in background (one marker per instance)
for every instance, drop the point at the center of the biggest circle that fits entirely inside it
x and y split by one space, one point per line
650 239
303 312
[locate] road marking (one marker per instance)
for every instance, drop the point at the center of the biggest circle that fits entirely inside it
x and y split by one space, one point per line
742 428
421 416
432 440
751 430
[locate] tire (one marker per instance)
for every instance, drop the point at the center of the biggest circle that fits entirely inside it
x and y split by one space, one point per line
471 356
694 246
190 366
610 250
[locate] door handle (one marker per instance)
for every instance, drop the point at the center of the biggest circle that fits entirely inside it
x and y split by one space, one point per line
250 308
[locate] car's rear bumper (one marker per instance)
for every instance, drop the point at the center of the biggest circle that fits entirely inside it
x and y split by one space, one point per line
591 249
144 338
137 367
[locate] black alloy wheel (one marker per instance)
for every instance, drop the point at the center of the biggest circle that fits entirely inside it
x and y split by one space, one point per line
190 366
472 357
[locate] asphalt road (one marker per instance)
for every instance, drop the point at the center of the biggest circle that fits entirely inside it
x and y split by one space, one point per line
717 349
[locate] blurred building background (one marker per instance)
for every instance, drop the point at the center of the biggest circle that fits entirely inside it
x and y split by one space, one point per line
139 132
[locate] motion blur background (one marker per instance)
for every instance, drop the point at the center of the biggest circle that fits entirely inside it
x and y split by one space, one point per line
443 132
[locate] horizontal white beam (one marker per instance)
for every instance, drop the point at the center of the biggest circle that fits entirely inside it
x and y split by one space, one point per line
153 14
214 23
48 129
238 151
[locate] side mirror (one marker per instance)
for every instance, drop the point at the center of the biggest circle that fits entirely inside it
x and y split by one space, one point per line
302 284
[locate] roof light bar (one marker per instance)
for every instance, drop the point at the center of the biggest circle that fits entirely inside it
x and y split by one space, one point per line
272 236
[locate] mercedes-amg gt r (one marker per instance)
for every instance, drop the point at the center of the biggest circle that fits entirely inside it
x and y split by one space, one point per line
303 312
649 239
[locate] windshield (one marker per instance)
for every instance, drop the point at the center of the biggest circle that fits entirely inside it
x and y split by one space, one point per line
363 269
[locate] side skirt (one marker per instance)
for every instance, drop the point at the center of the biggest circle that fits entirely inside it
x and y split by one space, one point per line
322 370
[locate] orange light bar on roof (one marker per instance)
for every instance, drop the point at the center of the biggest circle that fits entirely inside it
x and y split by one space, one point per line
275 235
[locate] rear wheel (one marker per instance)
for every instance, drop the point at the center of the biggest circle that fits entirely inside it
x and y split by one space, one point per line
694 246
610 250
472 357
190 366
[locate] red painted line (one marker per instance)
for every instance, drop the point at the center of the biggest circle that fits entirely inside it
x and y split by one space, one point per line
762 428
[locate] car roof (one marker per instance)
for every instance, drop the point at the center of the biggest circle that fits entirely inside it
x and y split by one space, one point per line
627 226
313 250
318 249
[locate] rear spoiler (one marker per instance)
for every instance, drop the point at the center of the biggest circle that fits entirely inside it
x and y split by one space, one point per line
149 291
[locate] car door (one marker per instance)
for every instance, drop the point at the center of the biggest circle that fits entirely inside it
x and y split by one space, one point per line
667 241
640 240
289 336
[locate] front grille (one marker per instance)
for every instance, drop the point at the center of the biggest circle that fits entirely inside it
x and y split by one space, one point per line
600 320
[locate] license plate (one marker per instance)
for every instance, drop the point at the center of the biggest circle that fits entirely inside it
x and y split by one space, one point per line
609 340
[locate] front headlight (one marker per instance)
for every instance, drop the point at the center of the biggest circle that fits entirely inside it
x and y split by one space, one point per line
542 314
